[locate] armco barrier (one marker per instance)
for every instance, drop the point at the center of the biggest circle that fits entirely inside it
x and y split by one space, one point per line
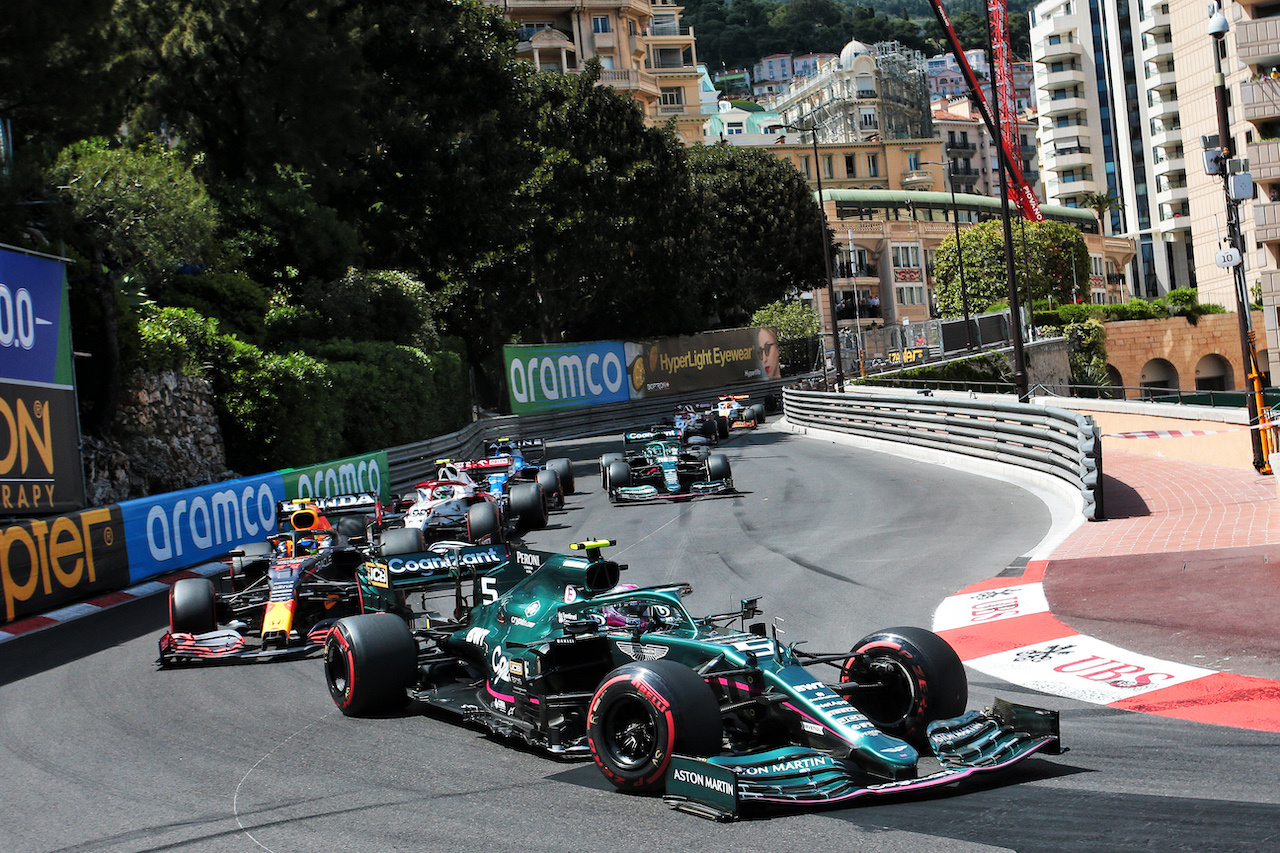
413 463
1055 442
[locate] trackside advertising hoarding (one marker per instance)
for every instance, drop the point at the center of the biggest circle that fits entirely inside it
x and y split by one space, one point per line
179 529
356 475
548 377
543 377
695 362
45 563
40 470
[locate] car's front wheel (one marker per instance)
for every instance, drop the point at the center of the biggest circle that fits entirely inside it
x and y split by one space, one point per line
193 606
642 713
913 677
369 660
605 461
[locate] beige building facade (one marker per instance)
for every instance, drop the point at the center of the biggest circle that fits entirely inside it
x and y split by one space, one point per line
644 49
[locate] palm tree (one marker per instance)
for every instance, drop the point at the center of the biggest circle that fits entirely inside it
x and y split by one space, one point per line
1101 204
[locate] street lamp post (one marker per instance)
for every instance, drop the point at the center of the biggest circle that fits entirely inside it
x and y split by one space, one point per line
1218 27
826 256
955 219
857 311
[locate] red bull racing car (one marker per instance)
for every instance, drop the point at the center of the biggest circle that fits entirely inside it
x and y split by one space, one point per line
278 600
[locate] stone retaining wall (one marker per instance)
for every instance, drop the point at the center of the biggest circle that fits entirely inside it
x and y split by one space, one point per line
166 438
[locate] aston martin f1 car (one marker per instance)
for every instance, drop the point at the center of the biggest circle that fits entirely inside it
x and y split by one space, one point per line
714 711
280 599
656 464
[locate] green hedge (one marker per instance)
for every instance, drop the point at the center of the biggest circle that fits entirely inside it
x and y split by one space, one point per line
281 410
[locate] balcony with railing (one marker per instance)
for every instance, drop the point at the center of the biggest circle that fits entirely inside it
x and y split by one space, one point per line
1153 50
1260 99
1258 41
1063 50
961 145
1264 159
1050 107
917 179
1266 221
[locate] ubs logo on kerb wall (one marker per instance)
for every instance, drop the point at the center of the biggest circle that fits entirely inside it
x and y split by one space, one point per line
544 377
190 527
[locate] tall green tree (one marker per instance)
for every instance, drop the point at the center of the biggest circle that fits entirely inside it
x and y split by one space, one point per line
759 229
132 213
601 224
59 81
1051 259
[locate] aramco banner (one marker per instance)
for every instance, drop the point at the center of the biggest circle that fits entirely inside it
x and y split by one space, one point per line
356 475
547 377
40 471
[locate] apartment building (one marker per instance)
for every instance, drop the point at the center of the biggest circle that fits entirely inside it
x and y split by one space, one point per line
1127 105
644 49
1110 122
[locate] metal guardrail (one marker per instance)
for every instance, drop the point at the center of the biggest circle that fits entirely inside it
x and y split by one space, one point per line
1056 442
1062 444
416 462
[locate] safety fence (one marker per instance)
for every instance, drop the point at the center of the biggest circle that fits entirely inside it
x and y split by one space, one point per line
1056 442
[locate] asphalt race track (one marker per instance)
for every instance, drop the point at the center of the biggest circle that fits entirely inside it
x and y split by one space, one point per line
100 751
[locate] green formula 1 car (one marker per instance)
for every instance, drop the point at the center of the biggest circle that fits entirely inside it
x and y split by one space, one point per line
713 712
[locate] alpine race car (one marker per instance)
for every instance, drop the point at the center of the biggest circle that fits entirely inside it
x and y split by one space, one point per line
655 464
511 462
278 600
740 411
718 714
454 507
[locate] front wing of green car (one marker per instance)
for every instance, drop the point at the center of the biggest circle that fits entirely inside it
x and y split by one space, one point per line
726 787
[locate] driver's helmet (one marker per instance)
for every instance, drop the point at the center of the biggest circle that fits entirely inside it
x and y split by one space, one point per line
442 492
305 547
630 614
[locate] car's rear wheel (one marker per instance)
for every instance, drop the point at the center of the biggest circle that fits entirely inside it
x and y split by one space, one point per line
484 524
605 461
401 540
564 470
529 506
551 487
642 713
922 680
369 660
757 409
193 606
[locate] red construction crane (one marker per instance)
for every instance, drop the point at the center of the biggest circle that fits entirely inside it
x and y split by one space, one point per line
1005 130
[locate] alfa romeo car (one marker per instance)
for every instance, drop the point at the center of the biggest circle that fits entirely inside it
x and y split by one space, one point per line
715 711
454 507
